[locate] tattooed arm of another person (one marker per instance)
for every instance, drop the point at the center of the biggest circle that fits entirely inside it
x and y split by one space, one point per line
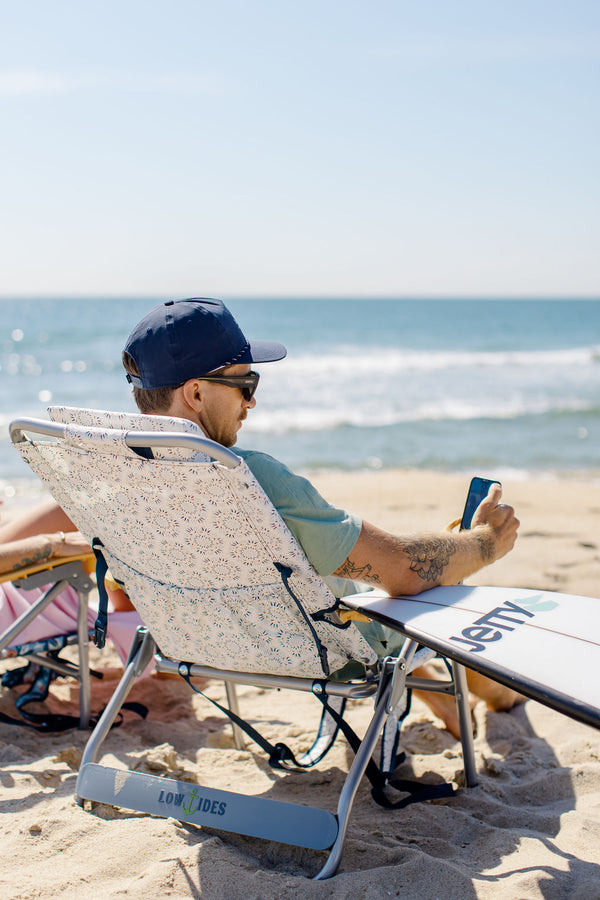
37 548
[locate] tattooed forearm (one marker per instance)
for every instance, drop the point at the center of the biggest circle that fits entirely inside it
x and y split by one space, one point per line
358 573
429 556
486 547
409 564
44 553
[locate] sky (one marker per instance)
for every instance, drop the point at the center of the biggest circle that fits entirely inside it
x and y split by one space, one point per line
318 148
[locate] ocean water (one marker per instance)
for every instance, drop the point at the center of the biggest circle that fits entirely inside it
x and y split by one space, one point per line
486 387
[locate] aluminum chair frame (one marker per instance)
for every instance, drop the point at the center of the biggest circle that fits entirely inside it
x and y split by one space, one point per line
301 825
257 817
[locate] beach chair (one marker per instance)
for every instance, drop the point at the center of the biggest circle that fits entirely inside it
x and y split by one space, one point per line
226 593
42 656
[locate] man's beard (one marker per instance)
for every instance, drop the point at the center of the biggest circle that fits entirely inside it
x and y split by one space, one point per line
232 441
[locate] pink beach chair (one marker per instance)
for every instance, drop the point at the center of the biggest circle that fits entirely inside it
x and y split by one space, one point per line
46 609
37 628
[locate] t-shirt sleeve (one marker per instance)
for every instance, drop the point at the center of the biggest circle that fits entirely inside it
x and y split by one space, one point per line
326 533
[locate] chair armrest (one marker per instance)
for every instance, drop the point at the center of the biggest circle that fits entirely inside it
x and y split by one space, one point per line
88 560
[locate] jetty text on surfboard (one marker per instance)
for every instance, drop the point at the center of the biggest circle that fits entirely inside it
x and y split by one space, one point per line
510 615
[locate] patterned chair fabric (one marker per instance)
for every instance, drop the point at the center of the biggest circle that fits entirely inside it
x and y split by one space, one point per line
198 547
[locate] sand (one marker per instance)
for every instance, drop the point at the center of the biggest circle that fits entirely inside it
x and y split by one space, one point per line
530 829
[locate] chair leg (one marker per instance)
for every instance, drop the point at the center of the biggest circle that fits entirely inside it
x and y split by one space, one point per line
383 706
461 693
232 700
357 770
139 656
84 677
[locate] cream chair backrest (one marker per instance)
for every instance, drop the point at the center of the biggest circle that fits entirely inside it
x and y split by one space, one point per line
198 546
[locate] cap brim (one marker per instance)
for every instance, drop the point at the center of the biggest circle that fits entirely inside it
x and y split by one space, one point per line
263 352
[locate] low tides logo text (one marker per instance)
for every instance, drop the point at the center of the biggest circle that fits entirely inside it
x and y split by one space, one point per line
510 615
192 803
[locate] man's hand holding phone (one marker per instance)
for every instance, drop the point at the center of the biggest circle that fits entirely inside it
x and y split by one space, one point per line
495 521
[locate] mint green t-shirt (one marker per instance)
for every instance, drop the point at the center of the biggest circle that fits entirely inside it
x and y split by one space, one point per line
326 533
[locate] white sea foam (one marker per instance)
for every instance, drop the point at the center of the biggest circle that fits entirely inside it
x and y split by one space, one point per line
321 418
359 360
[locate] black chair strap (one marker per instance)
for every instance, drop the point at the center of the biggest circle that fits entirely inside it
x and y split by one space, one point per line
101 624
416 793
277 753
285 572
52 723
280 755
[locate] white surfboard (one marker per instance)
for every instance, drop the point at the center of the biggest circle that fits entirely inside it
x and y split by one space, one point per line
544 644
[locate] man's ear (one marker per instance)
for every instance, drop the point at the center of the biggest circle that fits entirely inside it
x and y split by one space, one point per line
192 394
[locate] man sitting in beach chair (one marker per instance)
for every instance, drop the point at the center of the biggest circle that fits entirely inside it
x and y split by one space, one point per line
189 359
47 558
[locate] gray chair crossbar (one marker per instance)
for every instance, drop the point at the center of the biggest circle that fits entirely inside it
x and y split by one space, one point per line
355 690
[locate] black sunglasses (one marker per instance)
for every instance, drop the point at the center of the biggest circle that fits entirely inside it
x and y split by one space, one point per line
247 384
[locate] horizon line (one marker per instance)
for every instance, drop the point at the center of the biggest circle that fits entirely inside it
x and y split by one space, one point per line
313 296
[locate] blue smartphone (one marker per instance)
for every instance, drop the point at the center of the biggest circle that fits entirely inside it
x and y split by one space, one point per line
478 491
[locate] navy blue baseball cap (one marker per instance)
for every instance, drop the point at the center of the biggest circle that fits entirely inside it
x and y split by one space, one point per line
183 339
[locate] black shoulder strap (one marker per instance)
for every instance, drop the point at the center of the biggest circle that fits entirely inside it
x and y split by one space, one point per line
101 624
285 572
